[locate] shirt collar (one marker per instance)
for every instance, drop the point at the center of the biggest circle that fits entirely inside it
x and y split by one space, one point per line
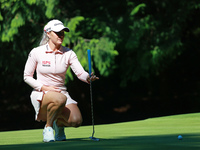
49 50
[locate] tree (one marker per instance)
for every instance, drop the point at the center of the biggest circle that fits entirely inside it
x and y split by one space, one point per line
155 36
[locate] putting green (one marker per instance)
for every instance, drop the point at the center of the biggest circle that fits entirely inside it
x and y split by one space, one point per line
151 134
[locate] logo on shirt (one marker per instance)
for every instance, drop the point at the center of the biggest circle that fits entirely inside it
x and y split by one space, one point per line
46 63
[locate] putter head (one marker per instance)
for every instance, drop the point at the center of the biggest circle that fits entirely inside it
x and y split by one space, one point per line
94 139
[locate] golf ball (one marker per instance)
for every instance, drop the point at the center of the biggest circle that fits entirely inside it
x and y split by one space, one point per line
180 137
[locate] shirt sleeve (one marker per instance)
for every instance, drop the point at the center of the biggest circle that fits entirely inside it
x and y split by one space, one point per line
29 70
77 67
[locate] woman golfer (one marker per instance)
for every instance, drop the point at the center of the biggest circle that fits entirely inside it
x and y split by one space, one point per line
49 97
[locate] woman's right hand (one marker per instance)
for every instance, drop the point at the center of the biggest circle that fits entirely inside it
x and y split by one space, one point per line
50 88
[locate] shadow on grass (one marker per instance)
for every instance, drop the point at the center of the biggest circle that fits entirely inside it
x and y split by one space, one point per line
162 142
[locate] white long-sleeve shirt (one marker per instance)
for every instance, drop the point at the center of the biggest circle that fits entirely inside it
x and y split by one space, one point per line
51 67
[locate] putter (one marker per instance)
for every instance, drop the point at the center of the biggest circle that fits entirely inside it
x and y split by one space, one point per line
90 71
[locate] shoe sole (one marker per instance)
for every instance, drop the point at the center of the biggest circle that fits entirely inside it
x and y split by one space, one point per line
62 140
48 141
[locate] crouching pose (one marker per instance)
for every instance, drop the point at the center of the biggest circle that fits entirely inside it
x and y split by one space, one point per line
50 99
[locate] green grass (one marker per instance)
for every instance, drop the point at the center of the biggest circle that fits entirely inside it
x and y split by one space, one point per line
150 134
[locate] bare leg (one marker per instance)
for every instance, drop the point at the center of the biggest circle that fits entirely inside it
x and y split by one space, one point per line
70 116
52 106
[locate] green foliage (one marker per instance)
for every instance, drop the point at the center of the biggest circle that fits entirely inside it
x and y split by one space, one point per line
155 37
31 2
136 9
50 6
73 35
104 55
102 51
16 22
1 17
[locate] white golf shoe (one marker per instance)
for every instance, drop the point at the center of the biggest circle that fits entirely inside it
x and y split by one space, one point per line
48 135
59 132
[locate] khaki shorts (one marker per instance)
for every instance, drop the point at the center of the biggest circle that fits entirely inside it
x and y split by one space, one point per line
36 98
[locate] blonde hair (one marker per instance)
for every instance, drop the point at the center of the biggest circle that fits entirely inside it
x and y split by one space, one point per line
45 39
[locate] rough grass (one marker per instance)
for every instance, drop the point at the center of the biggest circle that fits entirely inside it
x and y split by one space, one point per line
150 134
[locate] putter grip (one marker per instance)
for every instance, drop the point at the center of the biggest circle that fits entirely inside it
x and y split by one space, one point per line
89 62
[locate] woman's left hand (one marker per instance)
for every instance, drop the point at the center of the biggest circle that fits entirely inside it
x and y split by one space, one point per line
92 78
